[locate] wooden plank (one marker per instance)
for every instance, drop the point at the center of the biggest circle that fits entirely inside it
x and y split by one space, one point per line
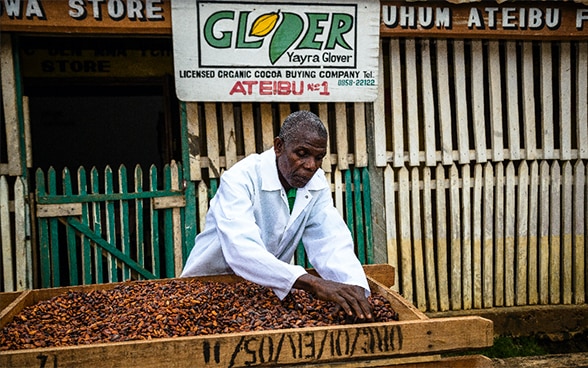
379 113
496 134
579 232
487 237
478 87
555 235
267 126
428 104
567 261
455 238
6 236
477 236
27 131
582 99
177 223
21 301
339 191
547 123
359 125
499 203
123 211
565 101
202 205
417 241
533 278
140 218
528 95
391 234
230 137
248 126
97 223
59 210
461 104
521 280
160 203
309 346
212 141
441 208
444 105
512 96
429 241
543 233
23 250
110 218
323 114
509 235
341 134
194 138
466 238
396 93
406 277
10 105
412 103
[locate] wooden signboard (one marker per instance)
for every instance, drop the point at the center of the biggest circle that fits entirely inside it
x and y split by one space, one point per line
415 338
542 20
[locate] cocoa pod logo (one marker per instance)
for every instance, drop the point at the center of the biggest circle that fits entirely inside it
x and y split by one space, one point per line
286 33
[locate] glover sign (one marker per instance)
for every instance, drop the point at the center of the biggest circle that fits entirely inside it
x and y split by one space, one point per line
276 51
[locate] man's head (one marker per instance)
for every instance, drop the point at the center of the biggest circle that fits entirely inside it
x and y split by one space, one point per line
300 148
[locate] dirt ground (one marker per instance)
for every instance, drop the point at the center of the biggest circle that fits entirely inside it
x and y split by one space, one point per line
569 360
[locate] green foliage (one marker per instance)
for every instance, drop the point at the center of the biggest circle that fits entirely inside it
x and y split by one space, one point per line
508 347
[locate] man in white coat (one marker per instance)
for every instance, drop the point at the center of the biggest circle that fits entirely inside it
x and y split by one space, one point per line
252 231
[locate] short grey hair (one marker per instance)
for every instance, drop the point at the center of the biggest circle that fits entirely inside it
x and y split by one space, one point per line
300 121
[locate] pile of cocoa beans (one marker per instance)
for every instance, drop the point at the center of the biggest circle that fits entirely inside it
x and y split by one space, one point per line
169 308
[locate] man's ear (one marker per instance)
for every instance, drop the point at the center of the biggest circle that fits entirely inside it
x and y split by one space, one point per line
278 146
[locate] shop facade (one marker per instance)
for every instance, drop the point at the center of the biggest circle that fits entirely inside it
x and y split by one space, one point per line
466 172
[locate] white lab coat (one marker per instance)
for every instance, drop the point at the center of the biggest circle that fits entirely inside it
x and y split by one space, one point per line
249 230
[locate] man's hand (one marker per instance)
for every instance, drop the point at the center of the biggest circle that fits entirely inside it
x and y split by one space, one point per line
350 297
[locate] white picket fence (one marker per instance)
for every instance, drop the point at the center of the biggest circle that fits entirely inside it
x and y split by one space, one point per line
16 261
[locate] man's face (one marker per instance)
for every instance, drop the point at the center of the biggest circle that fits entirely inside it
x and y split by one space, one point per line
299 159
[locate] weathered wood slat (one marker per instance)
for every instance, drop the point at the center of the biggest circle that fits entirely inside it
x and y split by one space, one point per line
10 108
339 190
412 104
139 218
359 125
396 93
521 280
443 105
323 114
230 137
5 236
509 235
86 251
461 104
582 99
495 102
487 238
428 104
154 221
212 141
478 86
528 96
547 127
512 106
96 224
405 235
379 118
193 127
466 238
53 237
543 233
248 127
23 251
125 237
441 208
579 232
534 204
477 236
341 134
555 235
429 241
267 126
110 218
565 101
567 262
391 233
499 234
417 241
455 238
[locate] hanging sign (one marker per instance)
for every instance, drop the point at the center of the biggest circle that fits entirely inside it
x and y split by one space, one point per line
276 50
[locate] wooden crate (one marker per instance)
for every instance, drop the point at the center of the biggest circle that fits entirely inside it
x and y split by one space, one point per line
415 339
